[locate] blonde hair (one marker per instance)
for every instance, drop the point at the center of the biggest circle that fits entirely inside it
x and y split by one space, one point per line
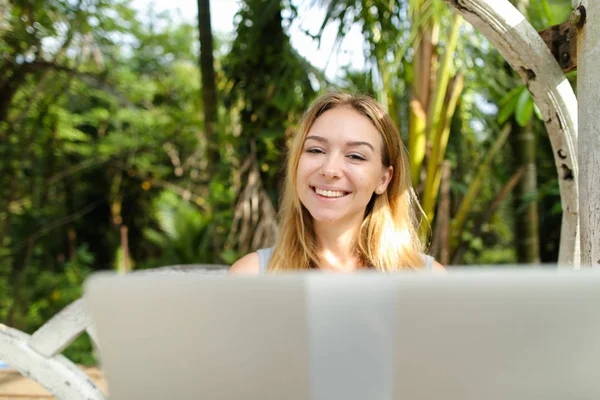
388 239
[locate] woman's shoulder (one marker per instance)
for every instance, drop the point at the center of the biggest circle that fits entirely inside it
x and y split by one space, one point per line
431 264
253 263
249 264
438 267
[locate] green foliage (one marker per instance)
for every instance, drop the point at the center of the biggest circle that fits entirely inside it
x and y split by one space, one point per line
545 13
81 351
518 103
47 292
54 292
268 84
99 113
183 233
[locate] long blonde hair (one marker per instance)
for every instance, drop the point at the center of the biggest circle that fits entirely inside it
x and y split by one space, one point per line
388 239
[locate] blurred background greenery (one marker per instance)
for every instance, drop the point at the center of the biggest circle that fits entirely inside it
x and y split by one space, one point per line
123 146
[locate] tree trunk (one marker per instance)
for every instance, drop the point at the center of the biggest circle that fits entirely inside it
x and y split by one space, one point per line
440 247
527 225
526 206
424 66
588 90
209 88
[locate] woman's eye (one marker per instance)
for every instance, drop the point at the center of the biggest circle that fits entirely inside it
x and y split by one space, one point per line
357 157
314 150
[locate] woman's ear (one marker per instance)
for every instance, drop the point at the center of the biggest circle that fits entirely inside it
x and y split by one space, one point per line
386 177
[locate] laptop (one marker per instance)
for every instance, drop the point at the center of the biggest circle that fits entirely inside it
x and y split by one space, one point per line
470 334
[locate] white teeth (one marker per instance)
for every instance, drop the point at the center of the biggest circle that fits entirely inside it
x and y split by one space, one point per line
329 193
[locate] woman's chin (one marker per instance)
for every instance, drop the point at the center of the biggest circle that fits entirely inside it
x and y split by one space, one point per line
325 218
327 215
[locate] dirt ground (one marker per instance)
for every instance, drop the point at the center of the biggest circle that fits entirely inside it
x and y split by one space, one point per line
14 386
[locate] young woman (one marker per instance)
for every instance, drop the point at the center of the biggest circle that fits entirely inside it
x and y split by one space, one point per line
348 202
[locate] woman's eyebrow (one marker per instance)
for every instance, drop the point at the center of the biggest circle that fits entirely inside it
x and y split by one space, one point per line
358 143
351 143
317 138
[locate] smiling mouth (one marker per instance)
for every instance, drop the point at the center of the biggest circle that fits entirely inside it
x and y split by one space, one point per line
330 194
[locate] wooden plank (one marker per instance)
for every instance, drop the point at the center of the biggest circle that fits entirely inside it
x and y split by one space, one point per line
13 385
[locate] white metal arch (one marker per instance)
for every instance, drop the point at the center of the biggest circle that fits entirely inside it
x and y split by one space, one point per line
57 374
523 48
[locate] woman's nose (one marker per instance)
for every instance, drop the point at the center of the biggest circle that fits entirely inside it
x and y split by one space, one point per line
332 166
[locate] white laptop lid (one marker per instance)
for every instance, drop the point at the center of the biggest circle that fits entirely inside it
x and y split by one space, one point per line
487 334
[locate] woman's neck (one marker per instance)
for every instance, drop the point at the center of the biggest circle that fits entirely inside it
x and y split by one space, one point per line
336 246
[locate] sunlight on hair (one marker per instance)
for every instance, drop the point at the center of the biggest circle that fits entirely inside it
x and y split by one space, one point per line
401 237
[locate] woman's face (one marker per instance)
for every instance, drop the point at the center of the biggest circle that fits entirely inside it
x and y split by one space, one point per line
340 166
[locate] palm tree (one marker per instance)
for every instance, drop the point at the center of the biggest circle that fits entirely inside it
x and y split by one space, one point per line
209 88
268 88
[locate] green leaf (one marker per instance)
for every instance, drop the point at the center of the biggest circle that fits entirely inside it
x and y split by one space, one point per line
508 104
511 95
72 134
155 237
557 11
524 109
537 111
